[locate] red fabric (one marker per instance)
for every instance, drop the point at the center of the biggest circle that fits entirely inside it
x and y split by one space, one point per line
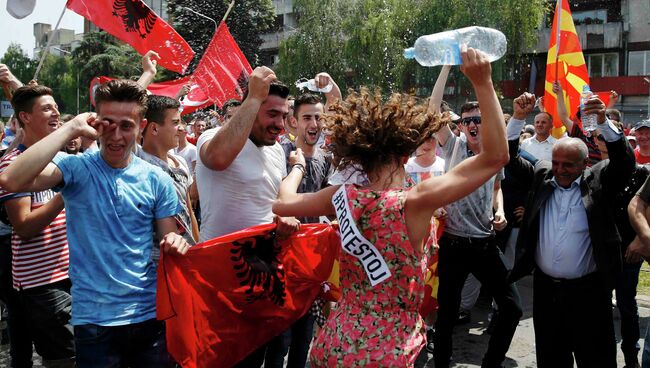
215 316
194 100
223 70
604 96
640 159
133 22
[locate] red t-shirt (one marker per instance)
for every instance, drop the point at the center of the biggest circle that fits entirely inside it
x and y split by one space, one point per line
641 159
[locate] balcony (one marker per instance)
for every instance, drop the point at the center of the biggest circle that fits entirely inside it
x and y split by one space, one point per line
592 36
272 40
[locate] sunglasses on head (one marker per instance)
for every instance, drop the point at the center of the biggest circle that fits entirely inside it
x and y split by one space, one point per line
471 119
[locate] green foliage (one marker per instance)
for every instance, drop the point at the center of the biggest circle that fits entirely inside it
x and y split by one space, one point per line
19 63
360 42
58 73
247 20
100 54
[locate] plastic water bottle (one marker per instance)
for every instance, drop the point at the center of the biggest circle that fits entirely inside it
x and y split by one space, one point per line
444 48
589 122
311 85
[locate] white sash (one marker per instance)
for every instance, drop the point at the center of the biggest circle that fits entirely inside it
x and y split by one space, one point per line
355 244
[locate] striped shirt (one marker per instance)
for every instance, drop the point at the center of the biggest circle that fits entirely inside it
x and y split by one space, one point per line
42 259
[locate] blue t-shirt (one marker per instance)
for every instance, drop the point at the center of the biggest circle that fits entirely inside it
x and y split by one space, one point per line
110 218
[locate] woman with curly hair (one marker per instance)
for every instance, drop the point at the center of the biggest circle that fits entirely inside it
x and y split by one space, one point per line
385 226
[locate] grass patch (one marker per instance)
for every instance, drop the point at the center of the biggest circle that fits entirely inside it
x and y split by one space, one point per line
644 280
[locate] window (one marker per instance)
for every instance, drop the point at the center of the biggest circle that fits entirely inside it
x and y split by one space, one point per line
602 65
590 17
638 63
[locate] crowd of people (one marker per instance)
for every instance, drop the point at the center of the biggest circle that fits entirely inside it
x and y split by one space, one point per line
90 201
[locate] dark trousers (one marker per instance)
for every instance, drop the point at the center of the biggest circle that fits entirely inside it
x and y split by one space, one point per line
295 341
136 345
457 258
573 318
626 284
48 309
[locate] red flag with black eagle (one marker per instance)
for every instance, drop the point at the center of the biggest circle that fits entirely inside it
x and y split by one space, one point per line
223 70
133 22
228 296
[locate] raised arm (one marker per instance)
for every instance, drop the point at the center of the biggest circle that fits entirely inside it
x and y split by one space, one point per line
9 81
223 148
32 171
561 107
149 62
439 90
322 80
474 171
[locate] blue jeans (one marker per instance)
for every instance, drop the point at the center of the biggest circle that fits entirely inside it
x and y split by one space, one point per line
136 345
295 340
626 284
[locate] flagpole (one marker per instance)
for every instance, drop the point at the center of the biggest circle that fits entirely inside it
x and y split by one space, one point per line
225 16
558 11
47 47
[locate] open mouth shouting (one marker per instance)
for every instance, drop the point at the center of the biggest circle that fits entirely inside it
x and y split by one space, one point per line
473 132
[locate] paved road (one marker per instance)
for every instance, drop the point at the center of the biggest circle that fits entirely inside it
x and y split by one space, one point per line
470 340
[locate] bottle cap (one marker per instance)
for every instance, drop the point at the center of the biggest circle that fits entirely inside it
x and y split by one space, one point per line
409 53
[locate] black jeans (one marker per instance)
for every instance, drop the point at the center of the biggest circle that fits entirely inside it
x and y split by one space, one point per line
626 283
136 345
49 309
480 256
573 318
295 340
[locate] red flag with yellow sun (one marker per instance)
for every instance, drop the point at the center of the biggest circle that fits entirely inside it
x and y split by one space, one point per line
566 63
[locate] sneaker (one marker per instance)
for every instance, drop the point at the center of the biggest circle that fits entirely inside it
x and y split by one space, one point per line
464 316
431 334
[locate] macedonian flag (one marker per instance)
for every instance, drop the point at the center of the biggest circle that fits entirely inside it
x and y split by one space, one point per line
565 63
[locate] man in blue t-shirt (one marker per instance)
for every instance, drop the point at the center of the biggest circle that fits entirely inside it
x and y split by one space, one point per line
113 199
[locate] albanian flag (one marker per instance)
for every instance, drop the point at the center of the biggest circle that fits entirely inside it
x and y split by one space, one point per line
133 22
565 63
223 70
228 296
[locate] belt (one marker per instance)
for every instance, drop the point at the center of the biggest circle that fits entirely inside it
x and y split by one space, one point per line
586 279
467 239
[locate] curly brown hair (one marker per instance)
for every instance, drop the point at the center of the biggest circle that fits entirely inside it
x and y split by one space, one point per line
366 131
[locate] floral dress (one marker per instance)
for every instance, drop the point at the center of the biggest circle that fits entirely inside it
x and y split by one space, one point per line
376 326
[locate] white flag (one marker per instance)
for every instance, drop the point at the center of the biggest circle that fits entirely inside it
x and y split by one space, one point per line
19 9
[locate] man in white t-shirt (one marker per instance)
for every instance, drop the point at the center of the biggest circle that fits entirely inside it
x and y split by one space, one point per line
186 149
425 163
241 166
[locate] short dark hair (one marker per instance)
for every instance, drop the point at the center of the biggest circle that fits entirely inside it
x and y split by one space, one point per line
156 107
304 99
122 90
548 115
277 88
24 97
468 106
230 103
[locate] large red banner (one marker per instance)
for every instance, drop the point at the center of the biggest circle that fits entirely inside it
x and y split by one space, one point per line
230 295
133 22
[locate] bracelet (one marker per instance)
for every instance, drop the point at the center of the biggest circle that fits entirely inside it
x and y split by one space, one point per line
301 167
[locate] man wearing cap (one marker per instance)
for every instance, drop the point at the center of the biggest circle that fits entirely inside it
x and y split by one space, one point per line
642 134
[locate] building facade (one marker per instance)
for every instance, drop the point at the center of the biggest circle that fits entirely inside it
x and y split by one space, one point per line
615 39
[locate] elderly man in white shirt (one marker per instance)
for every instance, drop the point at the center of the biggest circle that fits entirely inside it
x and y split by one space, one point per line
541 144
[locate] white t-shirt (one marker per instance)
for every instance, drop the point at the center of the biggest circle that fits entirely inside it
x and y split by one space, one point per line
242 195
188 153
419 173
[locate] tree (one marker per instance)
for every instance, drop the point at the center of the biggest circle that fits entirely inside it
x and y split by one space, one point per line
19 63
247 20
360 42
100 54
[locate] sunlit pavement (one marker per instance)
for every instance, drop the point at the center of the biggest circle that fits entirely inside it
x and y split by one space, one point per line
470 340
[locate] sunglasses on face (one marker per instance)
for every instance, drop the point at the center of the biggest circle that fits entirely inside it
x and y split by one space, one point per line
471 119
